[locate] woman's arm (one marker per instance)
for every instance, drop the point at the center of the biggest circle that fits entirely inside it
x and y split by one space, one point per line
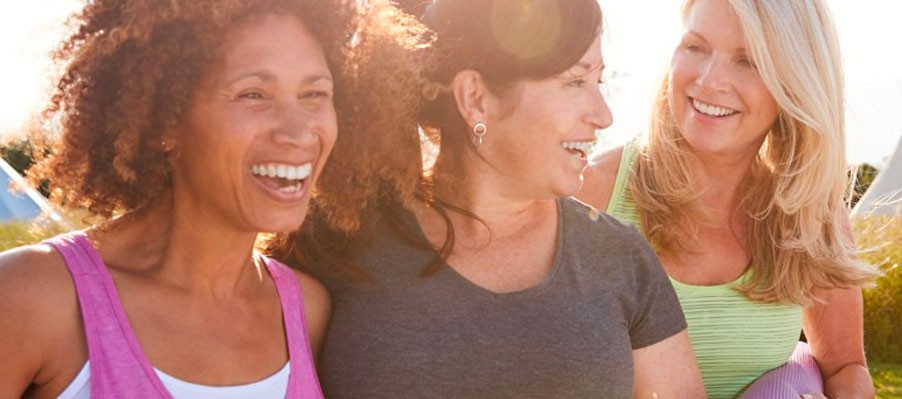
834 330
667 369
40 339
21 359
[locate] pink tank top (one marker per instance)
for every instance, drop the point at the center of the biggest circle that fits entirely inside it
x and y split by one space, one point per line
119 367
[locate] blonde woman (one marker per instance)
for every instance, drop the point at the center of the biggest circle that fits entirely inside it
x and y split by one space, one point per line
740 190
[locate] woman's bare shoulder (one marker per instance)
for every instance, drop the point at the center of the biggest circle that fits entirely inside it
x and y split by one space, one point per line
39 308
34 273
317 309
35 285
312 288
600 177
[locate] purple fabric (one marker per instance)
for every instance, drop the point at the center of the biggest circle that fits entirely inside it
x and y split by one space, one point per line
119 367
303 381
800 375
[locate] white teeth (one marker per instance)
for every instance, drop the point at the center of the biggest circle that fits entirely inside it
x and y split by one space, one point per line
291 189
711 110
584 147
284 171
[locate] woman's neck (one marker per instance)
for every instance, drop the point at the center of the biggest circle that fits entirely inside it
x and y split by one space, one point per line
466 182
163 243
720 181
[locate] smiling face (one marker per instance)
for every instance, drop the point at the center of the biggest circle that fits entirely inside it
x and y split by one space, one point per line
718 100
259 129
546 128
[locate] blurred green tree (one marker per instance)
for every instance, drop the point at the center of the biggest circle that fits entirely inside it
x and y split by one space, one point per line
864 176
19 155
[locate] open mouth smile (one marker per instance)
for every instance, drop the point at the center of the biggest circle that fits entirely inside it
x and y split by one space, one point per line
579 148
284 178
712 110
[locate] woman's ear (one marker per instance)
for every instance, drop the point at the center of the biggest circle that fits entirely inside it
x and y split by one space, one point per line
169 143
471 96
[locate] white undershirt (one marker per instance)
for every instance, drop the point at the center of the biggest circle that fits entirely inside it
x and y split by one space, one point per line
272 387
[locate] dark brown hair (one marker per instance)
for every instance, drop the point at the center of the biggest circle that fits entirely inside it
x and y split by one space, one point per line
505 41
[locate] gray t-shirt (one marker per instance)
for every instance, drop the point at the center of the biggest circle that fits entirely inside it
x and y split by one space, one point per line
401 335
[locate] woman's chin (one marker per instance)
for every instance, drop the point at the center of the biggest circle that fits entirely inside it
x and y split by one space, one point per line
569 188
279 223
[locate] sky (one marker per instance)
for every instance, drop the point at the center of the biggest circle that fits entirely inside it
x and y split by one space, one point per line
639 37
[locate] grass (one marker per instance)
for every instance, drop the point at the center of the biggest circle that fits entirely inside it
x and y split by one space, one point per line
887 379
880 241
17 234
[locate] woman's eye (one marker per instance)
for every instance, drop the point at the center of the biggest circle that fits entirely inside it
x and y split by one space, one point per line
577 83
693 48
250 95
746 63
317 94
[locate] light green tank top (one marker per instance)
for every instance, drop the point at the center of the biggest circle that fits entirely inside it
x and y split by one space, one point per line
735 340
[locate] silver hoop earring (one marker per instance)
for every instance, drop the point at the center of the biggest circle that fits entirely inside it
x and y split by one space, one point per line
479 131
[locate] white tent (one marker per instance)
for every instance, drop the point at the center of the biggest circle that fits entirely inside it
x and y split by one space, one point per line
884 196
19 202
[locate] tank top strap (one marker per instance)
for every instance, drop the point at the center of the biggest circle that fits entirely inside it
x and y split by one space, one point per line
303 381
119 368
621 205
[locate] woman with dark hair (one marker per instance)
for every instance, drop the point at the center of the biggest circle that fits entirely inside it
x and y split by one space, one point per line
482 279
187 127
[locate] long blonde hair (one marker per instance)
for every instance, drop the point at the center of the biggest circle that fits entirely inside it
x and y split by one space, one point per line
795 192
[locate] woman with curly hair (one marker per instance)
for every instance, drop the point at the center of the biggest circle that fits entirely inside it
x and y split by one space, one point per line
187 128
740 189
476 277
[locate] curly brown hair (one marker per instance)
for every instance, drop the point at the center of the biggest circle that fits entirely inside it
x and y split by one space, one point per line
133 66
465 38
370 164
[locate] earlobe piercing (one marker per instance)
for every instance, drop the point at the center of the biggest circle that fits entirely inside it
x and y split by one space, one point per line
479 131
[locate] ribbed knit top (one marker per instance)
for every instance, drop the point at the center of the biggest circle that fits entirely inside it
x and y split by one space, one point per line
735 340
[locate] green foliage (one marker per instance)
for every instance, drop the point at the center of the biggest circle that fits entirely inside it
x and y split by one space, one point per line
864 176
17 154
887 380
880 240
